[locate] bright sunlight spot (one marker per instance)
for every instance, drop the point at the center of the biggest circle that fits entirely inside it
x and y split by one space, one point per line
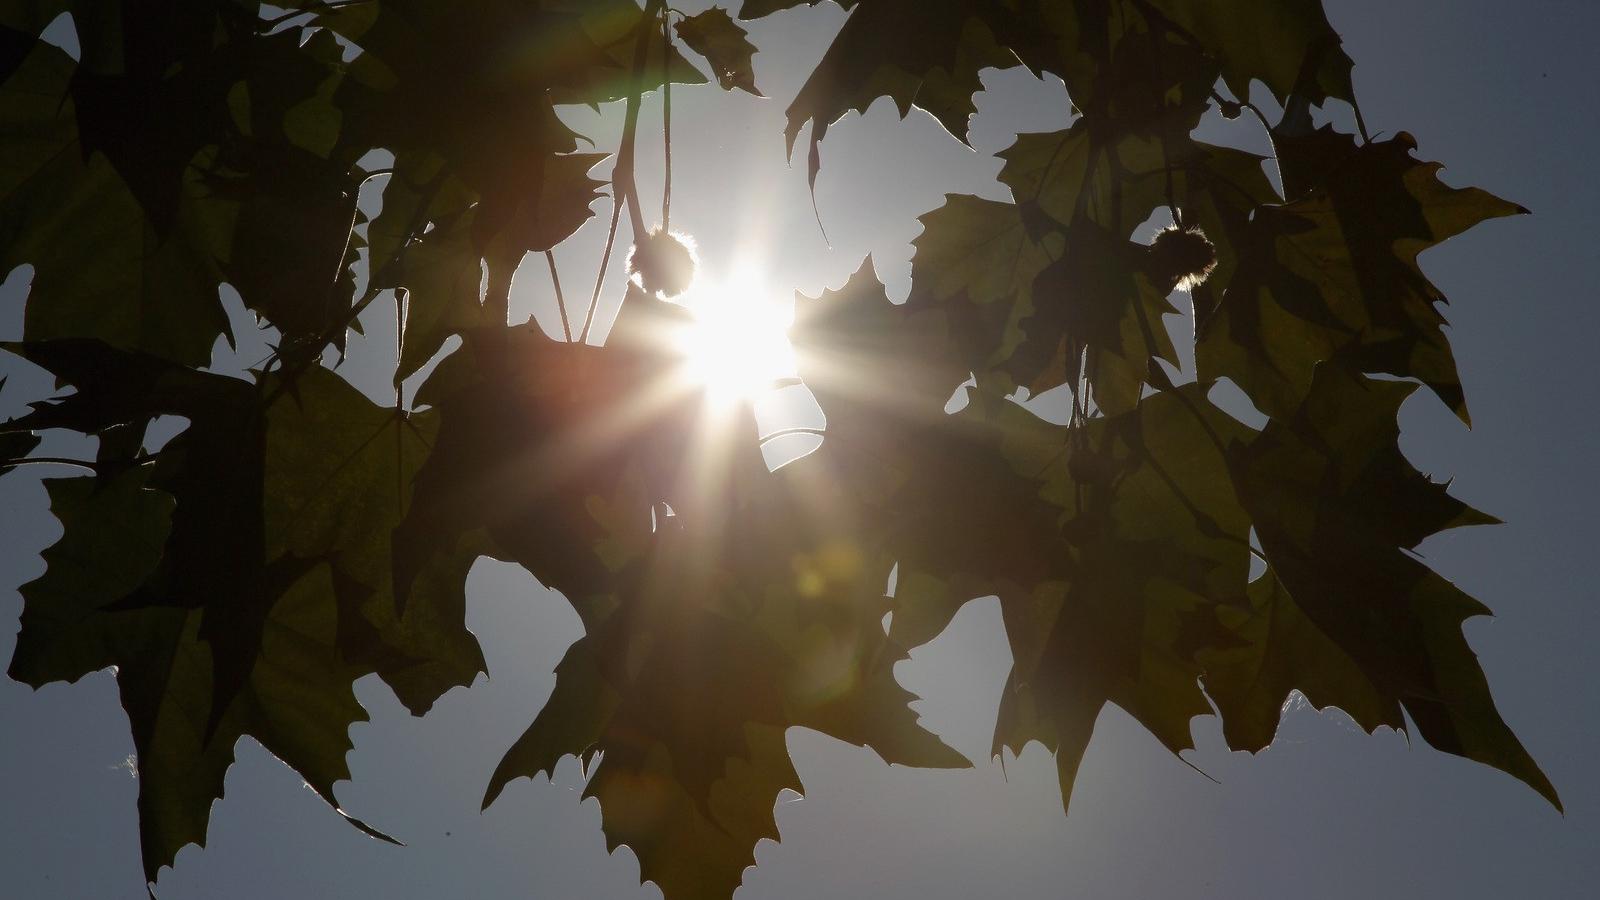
737 347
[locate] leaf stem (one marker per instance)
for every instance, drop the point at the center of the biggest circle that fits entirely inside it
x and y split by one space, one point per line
401 295
418 219
785 432
624 191
666 121
48 461
561 302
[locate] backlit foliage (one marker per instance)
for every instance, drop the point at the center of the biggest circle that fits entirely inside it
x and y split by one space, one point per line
297 536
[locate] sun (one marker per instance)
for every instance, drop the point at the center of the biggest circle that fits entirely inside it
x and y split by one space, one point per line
736 345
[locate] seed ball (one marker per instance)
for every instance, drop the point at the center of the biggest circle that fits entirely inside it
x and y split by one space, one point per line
663 263
1182 256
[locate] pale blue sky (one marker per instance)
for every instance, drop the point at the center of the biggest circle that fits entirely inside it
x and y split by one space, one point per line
1505 94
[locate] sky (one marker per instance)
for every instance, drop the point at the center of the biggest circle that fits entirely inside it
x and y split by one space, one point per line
1505 94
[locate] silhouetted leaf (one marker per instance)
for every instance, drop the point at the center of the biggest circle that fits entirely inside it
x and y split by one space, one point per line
338 476
295 536
102 267
1281 651
1334 273
1336 505
16 445
714 35
922 52
296 700
1304 56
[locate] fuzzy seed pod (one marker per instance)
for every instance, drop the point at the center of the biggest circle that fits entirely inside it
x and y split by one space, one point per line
663 263
1182 257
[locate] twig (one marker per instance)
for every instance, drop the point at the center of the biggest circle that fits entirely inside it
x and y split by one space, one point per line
561 302
49 461
666 122
624 192
401 295
418 219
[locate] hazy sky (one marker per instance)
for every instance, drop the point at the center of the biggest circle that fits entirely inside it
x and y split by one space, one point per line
1504 93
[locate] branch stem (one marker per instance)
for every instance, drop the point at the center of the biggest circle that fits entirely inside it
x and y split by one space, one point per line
624 191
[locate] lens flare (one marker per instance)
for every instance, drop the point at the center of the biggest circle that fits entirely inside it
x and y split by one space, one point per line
736 347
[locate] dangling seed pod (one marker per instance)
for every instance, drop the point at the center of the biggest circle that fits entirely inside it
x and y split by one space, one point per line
663 263
1182 256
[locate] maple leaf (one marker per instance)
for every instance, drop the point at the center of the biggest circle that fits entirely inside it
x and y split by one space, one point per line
145 284
295 536
75 622
1062 524
1336 505
714 35
1334 273
1304 58
731 597
922 52
253 578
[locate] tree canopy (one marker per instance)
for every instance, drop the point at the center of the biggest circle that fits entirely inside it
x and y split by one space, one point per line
1153 551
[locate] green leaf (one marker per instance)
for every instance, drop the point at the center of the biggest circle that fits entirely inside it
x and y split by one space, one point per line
104 266
338 473
297 699
925 53
725 598
272 553
977 260
440 266
295 536
1334 274
1280 651
781 625
528 446
1159 543
1336 505
1303 56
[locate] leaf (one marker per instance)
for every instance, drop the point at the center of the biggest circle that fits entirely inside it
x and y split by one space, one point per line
1159 545
1303 57
958 517
1039 284
714 35
1282 651
16 445
235 586
725 599
213 560
338 473
922 52
612 26
1336 505
977 260
1335 274
295 536
104 266
527 439
781 625
75 623
442 273
294 189
440 267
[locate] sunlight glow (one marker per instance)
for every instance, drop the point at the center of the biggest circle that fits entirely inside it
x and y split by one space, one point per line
737 347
